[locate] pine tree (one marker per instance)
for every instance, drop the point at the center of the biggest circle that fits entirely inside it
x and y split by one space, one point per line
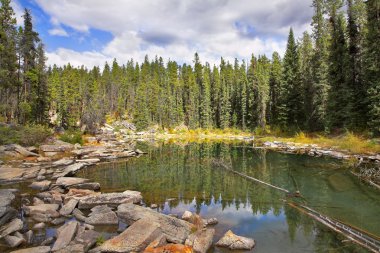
40 103
356 12
205 106
321 85
372 64
8 61
275 90
339 93
262 89
293 97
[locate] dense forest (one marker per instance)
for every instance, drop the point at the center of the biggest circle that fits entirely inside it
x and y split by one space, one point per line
327 80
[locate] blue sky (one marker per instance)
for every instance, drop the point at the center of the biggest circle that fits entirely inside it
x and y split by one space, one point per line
90 32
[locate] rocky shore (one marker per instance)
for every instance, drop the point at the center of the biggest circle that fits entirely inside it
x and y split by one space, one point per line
63 213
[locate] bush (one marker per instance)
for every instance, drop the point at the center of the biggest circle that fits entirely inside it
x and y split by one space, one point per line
72 136
24 135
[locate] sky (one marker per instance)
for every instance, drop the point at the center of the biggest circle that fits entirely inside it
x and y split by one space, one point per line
90 32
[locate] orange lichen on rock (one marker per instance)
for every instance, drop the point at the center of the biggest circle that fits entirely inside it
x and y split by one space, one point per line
170 248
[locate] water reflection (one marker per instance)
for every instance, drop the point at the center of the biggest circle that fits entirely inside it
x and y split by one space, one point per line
187 176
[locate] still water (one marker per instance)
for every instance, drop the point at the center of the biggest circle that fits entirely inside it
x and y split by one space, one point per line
185 177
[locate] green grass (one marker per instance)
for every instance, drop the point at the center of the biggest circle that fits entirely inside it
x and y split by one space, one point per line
72 136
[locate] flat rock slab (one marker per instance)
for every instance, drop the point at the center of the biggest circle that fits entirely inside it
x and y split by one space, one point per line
235 242
11 174
43 208
69 170
110 199
6 197
40 249
65 236
134 239
62 162
41 185
68 208
58 146
87 238
201 240
174 229
86 186
7 214
13 226
69 181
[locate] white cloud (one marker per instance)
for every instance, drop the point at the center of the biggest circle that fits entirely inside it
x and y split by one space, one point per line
59 31
19 11
176 29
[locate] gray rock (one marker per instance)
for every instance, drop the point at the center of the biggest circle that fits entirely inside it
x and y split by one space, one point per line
70 170
69 207
37 201
70 181
62 162
72 248
7 214
58 221
47 241
212 221
102 215
58 146
21 150
40 249
29 237
41 185
235 242
13 241
134 239
154 206
201 240
39 226
87 238
11 227
79 215
174 229
110 199
6 197
42 209
66 235
187 216
86 186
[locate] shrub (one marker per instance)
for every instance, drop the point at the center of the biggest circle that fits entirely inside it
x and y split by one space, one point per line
24 135
72 136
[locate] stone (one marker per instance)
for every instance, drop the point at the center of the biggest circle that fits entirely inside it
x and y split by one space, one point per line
58 221
6 196
102 215
70 181
62 162
37 201
212 221
21 150
58 146
87 238
235 242
7 213
66 235
87 186
69 170
11 174
175 248
69 207
110 199
187 216
154 206
134 239
29 237
39 226
11 227
42 209
79 215
158 242
47 241
41 185
201 240
13 241
174 229
39 249
72 248
89 161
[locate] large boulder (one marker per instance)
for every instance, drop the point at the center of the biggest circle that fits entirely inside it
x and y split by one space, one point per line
69 170
43 212
58 146
174 229
201 240
66 234
102 215
6 212
70 181
19 150
235 242
62 162
110 199
14 241
134 239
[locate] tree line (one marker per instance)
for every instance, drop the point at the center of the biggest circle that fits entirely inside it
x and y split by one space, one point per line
327 80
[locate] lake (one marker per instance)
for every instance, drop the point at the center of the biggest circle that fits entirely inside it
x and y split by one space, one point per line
186 177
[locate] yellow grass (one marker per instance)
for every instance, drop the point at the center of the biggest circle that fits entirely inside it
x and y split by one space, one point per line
347 142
